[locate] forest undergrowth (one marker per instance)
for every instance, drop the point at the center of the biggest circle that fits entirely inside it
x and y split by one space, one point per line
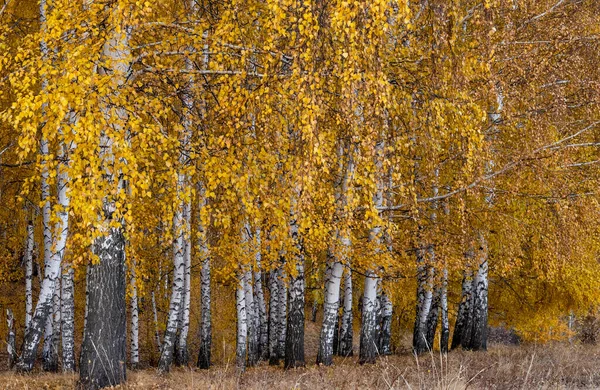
550 366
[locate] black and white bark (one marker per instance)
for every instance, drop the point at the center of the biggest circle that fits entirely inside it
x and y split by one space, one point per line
368 330
134 353
53 246
182 354
251 318
29 275
432 318
445 325
346 329
336 331
277 315
464 307
294 342
177 290
477 339
205 294
385 334
259 298
68 318
333 276
103 350
335 263
50 349
242 324
424 298
155 319
11 338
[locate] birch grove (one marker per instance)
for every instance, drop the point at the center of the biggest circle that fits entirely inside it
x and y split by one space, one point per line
200 177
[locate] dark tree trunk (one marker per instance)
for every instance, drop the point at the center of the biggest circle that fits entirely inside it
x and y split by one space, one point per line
315 308
336 331
386 325
432 319
464 310
294 337
103 351
10 339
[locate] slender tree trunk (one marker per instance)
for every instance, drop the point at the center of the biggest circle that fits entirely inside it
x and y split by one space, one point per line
368 331
478 335
315 309
10 339
330 310
464 308
205 319
134 308
103 351
432 318
346 333
242 325
182 357
251 319
424 299
68 319
28 275
336 331
175 306
155 318
274 304
445 330
282 315
294 342
385 347
259 298
52 259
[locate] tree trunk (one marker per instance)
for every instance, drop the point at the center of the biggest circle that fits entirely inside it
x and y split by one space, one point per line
315 309
182 356
155 318
346 333
368 330
282 315
205 319
259 298
333 276
251 319
432 318
103 351
445 330
10 339
478 335
242 326
175 306
29 275
274 304
294 342
424 298
464 308
134 308
386 325
336 331
68 319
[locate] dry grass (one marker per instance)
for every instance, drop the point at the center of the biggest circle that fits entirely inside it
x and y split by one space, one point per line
555 366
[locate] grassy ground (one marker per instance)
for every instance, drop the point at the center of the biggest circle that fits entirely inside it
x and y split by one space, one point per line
557 366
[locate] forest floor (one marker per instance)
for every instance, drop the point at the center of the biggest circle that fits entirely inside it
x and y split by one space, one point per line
555 366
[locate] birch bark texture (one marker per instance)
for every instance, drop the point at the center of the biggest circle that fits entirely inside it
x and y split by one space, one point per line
205 292
294 342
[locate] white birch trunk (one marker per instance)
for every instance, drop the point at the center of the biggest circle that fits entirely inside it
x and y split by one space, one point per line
175 306
386 325
368 331
330 311
52 260
155 319
346 332
205 319
242 325
134 358
282 315
68 319
29 276
10 338
251 318
182 357
464 308
263 321
273 316
445 331
294 342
